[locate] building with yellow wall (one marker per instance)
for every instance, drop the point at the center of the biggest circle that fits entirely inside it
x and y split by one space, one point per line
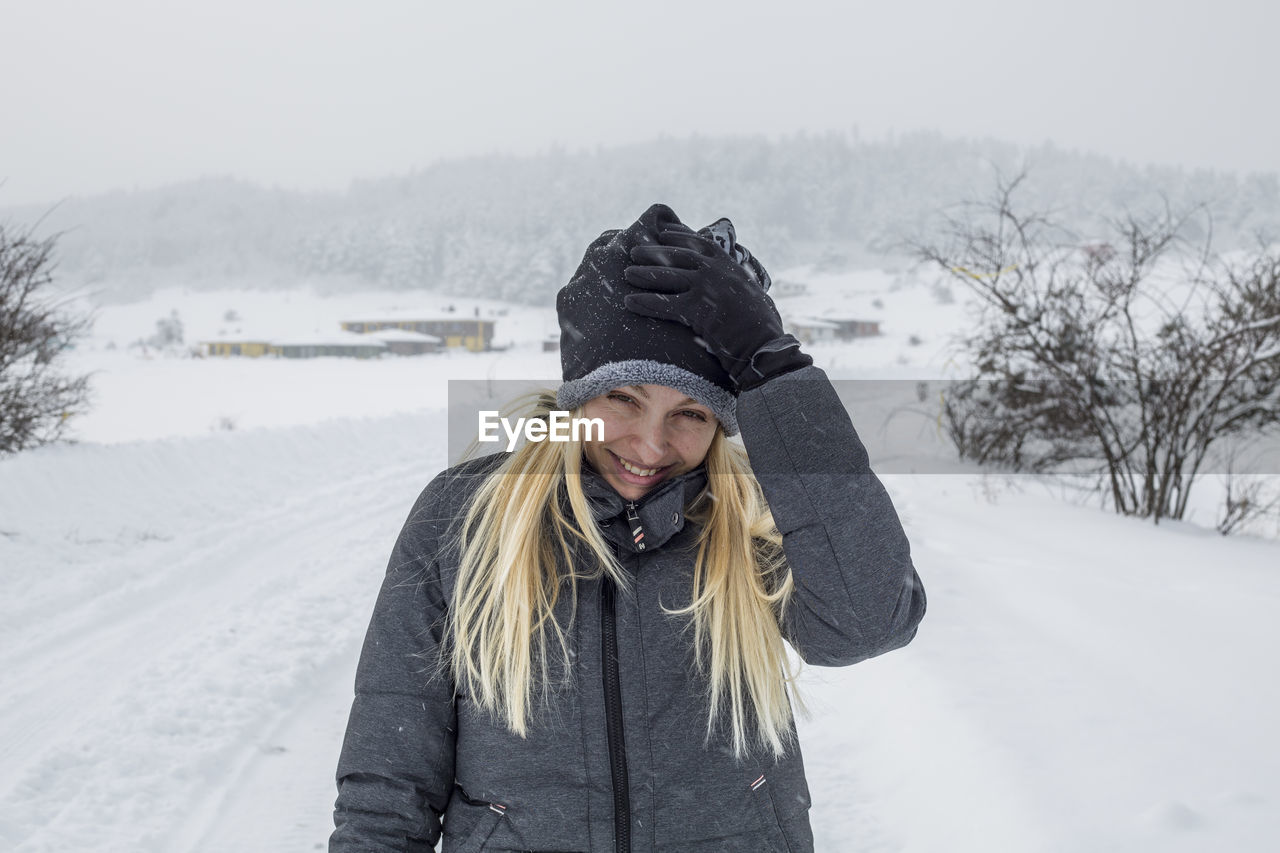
314 345
237 346
454 330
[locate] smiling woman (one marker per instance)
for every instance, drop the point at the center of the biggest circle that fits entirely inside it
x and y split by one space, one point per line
581 645
651 432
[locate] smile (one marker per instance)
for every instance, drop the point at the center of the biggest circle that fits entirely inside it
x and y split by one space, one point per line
643 472
636 471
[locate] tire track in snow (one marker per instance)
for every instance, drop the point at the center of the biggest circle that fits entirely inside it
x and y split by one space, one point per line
280 794
93 649
160 687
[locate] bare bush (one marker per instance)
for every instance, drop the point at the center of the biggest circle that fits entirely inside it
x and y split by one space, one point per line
36 397
168 331
1125 357
1250 499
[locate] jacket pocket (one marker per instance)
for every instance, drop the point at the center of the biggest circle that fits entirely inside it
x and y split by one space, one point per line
470 823
774 839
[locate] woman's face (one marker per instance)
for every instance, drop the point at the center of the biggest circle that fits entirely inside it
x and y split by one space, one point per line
651 433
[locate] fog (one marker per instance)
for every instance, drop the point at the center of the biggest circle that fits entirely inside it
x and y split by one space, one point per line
311 95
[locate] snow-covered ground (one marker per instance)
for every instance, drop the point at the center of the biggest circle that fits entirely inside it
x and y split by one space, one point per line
183 595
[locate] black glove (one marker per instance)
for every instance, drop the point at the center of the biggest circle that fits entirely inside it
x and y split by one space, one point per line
696 282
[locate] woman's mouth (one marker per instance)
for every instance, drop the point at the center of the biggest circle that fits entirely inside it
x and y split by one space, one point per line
639 475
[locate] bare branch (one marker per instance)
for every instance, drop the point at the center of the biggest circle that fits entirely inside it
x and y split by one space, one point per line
36 399
1083 356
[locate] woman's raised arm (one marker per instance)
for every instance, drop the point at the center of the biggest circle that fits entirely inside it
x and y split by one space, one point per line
857 593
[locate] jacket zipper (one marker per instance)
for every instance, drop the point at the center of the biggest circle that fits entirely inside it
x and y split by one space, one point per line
634 525
613 695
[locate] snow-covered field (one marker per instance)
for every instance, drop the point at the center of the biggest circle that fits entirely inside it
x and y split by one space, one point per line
183 594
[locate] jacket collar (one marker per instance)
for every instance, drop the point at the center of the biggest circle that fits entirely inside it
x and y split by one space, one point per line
661 511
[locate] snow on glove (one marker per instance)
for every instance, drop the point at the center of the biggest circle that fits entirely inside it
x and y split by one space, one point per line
697 280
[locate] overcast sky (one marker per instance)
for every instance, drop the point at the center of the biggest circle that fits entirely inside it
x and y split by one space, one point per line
138 93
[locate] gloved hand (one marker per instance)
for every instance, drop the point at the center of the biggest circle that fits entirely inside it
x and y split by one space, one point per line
694 281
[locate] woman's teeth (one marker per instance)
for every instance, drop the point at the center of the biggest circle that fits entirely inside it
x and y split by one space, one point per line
639 472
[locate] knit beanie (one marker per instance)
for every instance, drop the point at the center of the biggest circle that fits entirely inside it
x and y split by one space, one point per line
604 346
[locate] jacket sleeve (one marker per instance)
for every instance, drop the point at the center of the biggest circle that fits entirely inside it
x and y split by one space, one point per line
396 771
857 593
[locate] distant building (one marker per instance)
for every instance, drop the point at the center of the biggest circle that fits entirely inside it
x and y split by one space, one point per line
811 331
342 344
786 287
814 330
551 343
851 327
400 342
455 330
318 344
248 347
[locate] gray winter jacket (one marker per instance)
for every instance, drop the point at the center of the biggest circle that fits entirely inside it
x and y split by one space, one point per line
618 760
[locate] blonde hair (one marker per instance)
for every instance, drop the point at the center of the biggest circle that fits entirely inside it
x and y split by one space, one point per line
517 545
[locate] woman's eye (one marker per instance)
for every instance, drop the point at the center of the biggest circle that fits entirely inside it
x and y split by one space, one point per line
698 416
621 398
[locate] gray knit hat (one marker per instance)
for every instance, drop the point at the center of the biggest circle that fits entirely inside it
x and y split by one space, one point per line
604 346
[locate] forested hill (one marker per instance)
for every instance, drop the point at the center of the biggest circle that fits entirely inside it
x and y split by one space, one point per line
515 227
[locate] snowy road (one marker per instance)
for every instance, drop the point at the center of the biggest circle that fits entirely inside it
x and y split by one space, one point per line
280 795
152 673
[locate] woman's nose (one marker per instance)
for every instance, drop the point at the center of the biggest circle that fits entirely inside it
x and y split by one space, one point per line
653 440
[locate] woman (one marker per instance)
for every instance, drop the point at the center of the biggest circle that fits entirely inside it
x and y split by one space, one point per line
579 646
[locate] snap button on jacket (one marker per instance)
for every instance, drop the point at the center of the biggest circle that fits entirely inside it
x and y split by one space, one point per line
419 764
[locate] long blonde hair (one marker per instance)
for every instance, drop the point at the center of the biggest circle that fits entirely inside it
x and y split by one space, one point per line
517 545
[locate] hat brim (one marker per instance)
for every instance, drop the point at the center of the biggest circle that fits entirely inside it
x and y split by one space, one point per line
618 374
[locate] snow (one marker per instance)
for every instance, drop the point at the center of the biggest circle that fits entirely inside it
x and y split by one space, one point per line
183 594
400 335
168 604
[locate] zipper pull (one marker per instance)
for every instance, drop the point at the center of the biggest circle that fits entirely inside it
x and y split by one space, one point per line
637 529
